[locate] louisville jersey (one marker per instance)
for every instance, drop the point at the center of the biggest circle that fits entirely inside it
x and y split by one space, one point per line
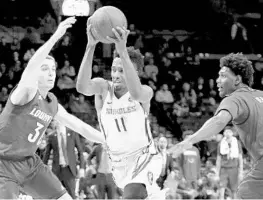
246 107
124 123
22 127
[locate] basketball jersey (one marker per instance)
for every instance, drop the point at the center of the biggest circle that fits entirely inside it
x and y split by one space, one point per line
246 107
124 123
22 127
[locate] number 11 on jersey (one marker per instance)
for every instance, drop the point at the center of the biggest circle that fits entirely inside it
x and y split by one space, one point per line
120 124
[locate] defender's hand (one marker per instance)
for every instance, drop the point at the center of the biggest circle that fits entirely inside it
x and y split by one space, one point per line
63 26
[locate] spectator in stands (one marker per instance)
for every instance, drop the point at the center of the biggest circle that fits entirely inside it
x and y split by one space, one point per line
29 40
229 163
188 93
15 45
134 34
194 109
97 71
200 88
28 54
104 179
180 108
3 95
16 56
164 95
190 163
4 49
150 69
49 25
167 161
64 165
2 68
66 76
42 147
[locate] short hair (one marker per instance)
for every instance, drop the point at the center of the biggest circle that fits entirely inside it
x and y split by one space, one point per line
135 56
52 58
239 65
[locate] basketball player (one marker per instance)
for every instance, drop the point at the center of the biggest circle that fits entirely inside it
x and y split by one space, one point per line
243 107
27 114
122 106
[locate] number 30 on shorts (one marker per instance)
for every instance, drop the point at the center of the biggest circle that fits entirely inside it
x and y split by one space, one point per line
33 137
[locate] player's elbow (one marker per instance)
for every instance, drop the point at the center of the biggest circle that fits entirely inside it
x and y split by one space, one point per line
84 89
220 122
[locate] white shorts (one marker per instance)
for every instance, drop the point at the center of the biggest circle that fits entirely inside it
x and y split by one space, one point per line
139 168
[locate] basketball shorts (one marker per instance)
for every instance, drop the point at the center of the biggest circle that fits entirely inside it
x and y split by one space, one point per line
251 187
229 178
32 176
141 167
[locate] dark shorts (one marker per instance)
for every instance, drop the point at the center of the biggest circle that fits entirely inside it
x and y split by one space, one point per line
32 176
251 186
229 178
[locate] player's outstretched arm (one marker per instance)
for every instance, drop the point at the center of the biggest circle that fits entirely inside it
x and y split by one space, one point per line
79 126
139 92
85 84
28 83
211 127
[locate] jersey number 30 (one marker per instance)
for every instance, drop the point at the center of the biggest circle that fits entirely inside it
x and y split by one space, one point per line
33 137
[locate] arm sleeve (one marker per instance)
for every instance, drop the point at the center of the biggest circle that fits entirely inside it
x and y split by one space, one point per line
237 108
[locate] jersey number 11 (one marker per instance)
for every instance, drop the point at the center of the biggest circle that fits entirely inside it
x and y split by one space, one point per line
120 124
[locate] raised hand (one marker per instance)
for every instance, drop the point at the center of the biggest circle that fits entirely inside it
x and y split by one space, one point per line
63 26
91 39
121 34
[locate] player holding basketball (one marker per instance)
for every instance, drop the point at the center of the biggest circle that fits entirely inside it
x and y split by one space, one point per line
242 106
122 106
28 112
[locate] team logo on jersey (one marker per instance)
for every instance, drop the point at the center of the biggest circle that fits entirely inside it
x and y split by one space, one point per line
40 98
150 177
130 99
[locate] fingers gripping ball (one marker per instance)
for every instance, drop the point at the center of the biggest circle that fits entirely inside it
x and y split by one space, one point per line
103 20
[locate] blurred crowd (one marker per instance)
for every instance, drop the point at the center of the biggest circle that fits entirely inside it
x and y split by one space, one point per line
185 95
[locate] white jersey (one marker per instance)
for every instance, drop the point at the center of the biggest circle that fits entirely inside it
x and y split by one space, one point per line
125 124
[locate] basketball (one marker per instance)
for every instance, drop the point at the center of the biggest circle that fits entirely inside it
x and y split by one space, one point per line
103 20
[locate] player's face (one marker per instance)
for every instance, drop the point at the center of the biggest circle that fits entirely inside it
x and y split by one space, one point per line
226 82
162 143
47 74
228 133
117 74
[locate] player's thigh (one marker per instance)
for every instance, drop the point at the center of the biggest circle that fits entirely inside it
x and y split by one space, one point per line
8 189
43 184
251 187
135 191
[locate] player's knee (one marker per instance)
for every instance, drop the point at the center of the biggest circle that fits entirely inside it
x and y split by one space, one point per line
135 191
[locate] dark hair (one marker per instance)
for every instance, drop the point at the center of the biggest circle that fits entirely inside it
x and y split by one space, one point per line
135 56
239 65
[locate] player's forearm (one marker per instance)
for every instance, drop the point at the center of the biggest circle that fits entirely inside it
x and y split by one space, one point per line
131 76
211 127
85 70
85 130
